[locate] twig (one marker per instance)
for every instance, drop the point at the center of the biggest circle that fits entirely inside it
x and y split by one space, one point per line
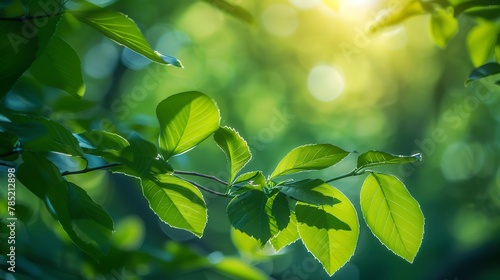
201 175
65 173
204 188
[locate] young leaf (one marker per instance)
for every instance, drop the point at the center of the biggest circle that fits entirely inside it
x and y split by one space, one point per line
121 29
481 42
311 191
443 26
286 236
489 69
259 215
88 226
330 233
24 41
41 135
185 120
59 67
176 202
309 157
392 214
249 176
235 147
374 158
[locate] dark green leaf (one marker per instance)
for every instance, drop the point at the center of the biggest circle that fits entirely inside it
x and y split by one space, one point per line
101 141
315 192
259 215
489 13
59 67
41 135
466 5
24 42
176 202
374 158
309 157
235 147
330 233
8 144
484 71
88 226
65 162
185 120
123 30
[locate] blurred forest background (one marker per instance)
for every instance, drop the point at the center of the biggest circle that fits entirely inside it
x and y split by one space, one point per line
302 72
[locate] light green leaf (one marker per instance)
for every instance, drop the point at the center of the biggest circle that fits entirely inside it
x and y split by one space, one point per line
249 248
311 191
42 135
375 158
176 202
253 180
236 269
88 226
497 47
330 233
235 147
24 41
123 30
259 215
481 42
286 236
489 69
443 26
249 176
309 157
392 214
59 67
186 119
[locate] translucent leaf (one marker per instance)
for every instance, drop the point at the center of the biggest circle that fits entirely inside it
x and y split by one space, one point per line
286 236
235 147
176 202
236 269
392 214
443 26
185 119
59 67
481 42
123 30
311 191
101 141
330 233
374 158
309 157
259 215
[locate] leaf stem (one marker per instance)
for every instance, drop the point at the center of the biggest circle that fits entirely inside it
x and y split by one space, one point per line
204 188
355 172
86 170
201 175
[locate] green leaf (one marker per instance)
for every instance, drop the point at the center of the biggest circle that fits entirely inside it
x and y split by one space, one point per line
489 13
24 41
311 191
497 48
88 226
253 180
392 214
101 141
176 202
249 176
375 158
41 135
259 215
330 233
481 42
309 157
235 147
59 67
236 269
8 143
66 162
185 120
249 248
232 9
286 236
123 30
489 69
443 26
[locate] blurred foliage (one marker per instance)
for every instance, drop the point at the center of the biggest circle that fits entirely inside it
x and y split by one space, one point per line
303 72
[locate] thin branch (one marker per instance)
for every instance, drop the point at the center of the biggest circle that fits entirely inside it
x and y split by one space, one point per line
86 170
204 188
353 173
201 175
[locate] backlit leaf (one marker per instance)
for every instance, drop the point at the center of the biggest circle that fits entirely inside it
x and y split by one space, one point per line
443 26
287 235
235 147
375 158
311 191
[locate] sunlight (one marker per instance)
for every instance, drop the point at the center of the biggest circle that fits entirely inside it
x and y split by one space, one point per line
325 83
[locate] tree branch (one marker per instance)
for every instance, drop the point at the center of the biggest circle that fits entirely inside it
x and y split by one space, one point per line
86 170
201 175
355 172
204 188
